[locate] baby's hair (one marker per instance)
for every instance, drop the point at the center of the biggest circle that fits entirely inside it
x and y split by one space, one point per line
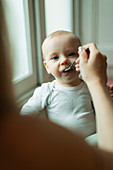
58 33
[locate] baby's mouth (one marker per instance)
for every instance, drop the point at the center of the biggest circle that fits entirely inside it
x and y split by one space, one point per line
64 71
70 67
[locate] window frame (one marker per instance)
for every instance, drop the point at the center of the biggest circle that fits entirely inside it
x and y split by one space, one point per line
24 86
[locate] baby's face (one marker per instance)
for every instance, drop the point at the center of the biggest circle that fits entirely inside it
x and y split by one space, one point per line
59 53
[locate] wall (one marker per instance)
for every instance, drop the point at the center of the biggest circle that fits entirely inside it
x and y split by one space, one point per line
95 24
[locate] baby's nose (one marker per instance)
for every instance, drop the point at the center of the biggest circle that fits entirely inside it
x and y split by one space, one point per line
64 61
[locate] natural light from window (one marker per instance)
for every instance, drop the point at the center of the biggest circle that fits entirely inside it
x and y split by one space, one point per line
17 32
58 15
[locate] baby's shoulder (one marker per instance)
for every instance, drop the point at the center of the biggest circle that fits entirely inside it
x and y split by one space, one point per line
85 89
84 86
44 88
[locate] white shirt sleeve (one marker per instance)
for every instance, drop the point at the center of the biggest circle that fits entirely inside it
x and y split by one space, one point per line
38 101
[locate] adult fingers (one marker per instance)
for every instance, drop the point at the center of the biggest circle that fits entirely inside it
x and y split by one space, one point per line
82 55
90 46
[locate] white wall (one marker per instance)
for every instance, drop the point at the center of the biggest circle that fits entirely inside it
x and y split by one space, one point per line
95 24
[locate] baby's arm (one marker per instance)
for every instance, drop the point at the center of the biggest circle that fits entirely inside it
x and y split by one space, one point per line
34 105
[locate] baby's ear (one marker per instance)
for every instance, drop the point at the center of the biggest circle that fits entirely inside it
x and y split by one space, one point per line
45 64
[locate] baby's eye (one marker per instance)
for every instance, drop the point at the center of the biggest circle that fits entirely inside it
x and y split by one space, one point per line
71 54
55 57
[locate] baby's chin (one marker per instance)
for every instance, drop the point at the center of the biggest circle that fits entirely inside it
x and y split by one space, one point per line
69 81
72 74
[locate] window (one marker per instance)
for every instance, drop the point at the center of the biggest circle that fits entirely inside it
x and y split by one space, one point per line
17 29
58 15
19 20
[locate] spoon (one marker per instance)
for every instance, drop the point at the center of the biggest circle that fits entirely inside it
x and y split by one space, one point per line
70 67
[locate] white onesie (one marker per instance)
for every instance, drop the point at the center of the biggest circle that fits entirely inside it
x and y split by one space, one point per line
70 107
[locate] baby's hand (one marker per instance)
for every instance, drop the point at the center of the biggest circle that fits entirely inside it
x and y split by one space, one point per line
110 89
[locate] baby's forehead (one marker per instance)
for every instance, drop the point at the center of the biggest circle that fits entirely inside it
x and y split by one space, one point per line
68 36
63 35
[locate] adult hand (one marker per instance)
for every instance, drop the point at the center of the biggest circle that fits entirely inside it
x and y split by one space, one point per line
92 65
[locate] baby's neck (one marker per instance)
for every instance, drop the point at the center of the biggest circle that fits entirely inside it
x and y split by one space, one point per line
69 84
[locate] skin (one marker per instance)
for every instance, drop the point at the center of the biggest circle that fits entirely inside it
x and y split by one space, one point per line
59 52
111 90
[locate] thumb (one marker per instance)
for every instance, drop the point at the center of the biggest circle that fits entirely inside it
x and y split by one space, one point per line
83 55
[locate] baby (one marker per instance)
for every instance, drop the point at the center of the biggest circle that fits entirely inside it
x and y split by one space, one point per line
66 99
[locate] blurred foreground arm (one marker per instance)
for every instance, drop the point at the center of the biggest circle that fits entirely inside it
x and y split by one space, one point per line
93 72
